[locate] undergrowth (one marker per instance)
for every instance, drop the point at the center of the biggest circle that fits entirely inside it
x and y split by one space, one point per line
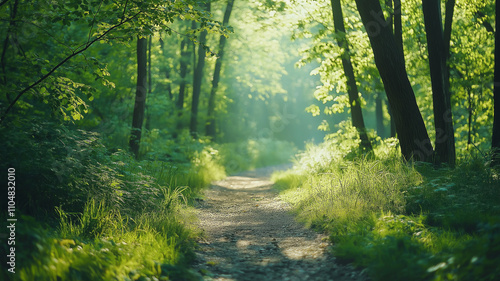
399 220
85 213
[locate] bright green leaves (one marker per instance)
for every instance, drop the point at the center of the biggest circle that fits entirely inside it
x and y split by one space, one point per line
322 49
63 96
49 40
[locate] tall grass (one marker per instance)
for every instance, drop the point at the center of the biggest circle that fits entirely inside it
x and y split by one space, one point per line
102 215
101 244
399 220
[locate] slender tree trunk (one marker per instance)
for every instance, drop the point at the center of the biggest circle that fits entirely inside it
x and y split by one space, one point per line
398 36
352 88
8 38
470 110
393 125
443 121
379 115
185 57
495 139
210 127
140 96
148 115
398 28
448 22
197 81
412 134
184 62
167 72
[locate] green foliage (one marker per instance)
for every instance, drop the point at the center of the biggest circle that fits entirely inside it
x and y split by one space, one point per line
156 245
104 215
334 195
63 166
50 40
401 222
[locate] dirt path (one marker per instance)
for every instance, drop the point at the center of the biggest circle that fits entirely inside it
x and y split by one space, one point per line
250 235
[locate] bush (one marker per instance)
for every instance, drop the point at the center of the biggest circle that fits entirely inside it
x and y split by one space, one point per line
64 167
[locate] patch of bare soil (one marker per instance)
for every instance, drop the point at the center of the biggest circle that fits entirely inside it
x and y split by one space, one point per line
249 234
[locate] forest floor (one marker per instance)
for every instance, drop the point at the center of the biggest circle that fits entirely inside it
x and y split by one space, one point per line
249 234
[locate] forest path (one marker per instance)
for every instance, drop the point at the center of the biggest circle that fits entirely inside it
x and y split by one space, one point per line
249 234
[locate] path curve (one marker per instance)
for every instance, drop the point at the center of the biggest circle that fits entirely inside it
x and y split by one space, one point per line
249 234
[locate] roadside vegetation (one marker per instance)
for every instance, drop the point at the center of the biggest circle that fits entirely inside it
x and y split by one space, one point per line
105 215
400 221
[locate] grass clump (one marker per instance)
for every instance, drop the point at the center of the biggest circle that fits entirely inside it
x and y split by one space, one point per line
401 221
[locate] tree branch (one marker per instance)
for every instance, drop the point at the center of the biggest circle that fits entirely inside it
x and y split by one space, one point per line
3 2
75 53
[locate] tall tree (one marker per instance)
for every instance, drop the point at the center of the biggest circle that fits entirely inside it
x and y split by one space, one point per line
184 61
495 139
197 79
183 69
352 88
166 70
140 96
210 127
150 84
396 27
443 122
412 134
398 35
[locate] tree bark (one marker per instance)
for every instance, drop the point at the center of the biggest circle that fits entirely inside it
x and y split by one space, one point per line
167 73
211 127
150 83
352 88
495 138
398 28
412 134
443 121
140 96
184 62
379 115
185 57
197 80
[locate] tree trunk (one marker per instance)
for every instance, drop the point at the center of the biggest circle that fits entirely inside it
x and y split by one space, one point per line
167 73
197 80
495 139
379 115
140 96
412 134
150 82
470 110
448 21
184 62
398 28
210 127
352 88
185 57
398 36
393 125
443 121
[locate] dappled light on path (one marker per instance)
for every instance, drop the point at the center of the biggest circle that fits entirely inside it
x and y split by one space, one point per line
250 235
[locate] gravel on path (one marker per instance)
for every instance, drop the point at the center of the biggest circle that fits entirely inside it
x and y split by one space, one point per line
249 234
